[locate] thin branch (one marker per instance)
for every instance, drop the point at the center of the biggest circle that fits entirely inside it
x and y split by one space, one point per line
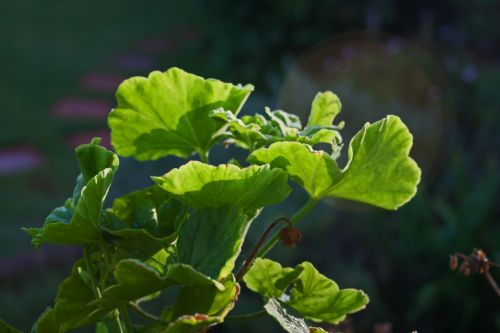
248 262
491 280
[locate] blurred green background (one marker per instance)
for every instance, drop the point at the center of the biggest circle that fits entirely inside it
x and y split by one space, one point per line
436 65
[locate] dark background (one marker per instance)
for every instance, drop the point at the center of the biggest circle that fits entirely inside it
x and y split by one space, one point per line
437 66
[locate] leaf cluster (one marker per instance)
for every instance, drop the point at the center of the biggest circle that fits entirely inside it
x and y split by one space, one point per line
186 230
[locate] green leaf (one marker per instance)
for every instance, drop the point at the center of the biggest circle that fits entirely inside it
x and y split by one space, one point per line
315 171
200 185
136 279
94 158
318 298
312 294
325 107
206 299
168 113
5 328
290 323
69 226
379 171
211 240
269 279
78 221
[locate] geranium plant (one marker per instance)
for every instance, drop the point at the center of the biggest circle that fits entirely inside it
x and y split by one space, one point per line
187 229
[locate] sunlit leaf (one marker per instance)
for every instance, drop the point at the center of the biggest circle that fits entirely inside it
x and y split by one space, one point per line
269 279
318 298
168 113
379 171
315 171
312 294
201 185
325 107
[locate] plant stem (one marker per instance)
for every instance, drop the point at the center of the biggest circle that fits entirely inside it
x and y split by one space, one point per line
203 156
93 281
246 316
299 215
248 262
115 323
115 315
116 312
146 315
126 319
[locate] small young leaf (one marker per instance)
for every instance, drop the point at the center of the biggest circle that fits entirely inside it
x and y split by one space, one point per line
200 185
168 113
94 158
379 171
290 323
325 107
211 240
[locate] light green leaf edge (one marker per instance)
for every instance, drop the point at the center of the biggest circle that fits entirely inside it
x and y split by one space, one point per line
168 113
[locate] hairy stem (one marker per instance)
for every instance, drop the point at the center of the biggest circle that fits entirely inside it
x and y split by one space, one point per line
299 215
246 316
146 315
248 262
